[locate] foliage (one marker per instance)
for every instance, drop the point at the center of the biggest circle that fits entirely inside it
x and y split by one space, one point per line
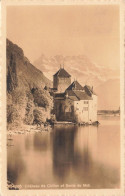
40 97
12 113
39 116
22 78
29 113
52 119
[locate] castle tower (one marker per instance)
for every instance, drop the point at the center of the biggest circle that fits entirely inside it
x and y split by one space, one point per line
61 80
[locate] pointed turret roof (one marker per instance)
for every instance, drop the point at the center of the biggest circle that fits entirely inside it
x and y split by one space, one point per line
75 86
89 90
62 73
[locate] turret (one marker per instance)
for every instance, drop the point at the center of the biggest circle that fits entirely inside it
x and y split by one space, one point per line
61 80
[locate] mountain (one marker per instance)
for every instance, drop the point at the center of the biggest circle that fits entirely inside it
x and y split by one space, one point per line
104 80
109 95
20 71
79 67
25 88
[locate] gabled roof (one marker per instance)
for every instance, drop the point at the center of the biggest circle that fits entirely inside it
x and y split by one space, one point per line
75 86
89 90
62 73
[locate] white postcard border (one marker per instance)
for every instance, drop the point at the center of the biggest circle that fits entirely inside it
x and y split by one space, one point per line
3 151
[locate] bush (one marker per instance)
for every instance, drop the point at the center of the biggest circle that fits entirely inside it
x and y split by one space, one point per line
39 116
19 96
40 98
29 113
28 119
51 120
12 114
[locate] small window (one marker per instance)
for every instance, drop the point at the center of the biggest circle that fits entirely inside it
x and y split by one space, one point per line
85 109
85 102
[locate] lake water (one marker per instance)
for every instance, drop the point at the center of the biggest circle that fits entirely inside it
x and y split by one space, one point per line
67 157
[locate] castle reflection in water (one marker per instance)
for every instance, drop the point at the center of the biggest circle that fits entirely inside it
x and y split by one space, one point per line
68 154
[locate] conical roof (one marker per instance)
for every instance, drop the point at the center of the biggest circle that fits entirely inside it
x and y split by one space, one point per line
62 73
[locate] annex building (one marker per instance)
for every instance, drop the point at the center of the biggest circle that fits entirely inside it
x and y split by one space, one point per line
73 102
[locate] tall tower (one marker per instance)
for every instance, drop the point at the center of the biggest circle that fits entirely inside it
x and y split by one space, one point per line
61 80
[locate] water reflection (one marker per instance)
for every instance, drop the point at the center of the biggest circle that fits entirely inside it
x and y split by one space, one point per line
63 150
41 141
27 143
68 154
15 165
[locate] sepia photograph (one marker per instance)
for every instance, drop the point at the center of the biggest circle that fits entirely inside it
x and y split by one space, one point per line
63 101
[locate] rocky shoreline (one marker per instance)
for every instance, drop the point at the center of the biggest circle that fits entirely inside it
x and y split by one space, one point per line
27 129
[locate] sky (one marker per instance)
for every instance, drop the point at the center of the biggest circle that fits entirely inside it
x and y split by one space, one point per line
86 36
92 30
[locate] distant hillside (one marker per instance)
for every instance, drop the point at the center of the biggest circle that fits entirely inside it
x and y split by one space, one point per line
109 112
109 95
25 88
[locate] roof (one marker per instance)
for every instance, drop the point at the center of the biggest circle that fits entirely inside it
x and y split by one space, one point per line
74 98
89 90
78 95
82 95
75 86
76 92
59 95
72 95
62 73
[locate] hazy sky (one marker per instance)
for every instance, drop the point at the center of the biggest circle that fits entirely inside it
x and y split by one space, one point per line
67 30
90 31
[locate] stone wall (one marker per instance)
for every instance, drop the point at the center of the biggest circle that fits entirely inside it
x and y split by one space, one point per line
55 82
81 109
93 108
61 83
76 111
86 110
64 110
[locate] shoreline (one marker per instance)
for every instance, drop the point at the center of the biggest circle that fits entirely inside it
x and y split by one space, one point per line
13 129
27 129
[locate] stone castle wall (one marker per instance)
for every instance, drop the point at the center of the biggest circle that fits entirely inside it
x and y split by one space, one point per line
61 84
64 110
76 111
93 108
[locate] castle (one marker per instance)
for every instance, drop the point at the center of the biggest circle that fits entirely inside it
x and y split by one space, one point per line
72 102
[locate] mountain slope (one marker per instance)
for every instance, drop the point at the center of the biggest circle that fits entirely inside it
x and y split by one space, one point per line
24 83
20 71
